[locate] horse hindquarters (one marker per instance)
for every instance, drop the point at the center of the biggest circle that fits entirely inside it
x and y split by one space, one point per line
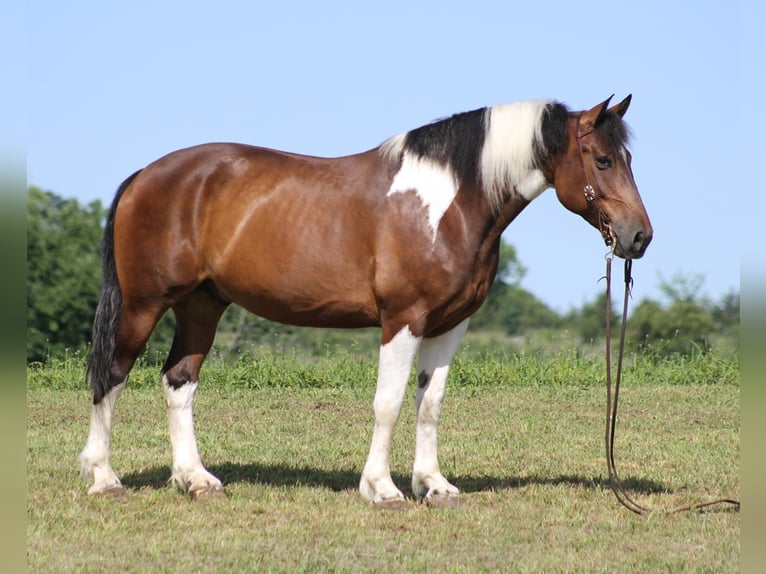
128 311
120 330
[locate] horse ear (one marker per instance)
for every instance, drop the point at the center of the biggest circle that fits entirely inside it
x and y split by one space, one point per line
590 118
622 107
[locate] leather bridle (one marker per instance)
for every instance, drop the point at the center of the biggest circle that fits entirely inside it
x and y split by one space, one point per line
590 193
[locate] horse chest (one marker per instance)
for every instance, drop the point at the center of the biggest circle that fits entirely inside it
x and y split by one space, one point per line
455 296
477 285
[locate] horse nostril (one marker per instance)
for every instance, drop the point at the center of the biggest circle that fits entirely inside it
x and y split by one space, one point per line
640 242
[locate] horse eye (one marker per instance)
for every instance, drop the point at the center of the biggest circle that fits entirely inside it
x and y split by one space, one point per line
603 162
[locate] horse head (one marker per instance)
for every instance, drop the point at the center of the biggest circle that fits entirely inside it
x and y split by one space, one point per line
594 179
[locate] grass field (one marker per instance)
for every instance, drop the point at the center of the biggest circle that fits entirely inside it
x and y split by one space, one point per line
522 436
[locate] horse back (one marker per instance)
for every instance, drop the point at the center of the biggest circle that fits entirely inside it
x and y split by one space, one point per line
282 234
297 239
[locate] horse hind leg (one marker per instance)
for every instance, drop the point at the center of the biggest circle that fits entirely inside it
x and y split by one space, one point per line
109 372
197 317
436 354
95 458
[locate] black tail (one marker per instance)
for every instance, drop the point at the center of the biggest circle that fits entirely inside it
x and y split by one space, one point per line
107 312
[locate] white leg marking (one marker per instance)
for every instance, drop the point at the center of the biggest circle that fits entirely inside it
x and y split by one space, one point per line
188 472
434 185
396 358
433 367
95 459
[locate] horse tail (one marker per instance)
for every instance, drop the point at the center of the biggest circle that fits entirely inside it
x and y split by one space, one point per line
107 316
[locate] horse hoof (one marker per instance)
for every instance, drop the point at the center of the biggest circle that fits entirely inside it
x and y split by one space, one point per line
392 504
212 492
442 501
116 493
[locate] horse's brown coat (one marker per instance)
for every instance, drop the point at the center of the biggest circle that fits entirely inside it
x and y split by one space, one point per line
318 242
302 240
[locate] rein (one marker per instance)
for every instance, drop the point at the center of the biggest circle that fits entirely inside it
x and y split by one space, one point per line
617 485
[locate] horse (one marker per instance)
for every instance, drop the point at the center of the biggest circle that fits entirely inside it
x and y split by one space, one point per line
404 237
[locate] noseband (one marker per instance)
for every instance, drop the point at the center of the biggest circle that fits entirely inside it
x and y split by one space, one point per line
590 193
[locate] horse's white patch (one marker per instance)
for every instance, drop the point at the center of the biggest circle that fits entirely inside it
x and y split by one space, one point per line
95 459
507 159
532 185
180 405
188 472
435 358
434 184
624 154
396 358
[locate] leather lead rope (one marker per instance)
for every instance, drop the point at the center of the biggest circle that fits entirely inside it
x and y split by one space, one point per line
617 485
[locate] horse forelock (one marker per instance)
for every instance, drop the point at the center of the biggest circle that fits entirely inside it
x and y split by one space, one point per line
615 130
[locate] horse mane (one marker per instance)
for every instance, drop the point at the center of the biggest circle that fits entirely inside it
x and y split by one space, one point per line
497 146
454 142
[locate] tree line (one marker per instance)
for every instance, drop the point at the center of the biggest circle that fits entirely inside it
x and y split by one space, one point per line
64 278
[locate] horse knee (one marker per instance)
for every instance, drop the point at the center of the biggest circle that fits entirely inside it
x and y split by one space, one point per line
178 376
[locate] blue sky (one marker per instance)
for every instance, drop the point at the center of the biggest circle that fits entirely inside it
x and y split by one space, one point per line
113 86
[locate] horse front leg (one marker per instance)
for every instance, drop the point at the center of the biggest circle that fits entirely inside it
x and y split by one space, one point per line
396 357
428 483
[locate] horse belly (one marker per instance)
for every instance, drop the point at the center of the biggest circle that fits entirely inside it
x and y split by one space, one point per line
301 263
310 295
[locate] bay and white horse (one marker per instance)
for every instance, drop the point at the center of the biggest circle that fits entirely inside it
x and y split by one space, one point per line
404 236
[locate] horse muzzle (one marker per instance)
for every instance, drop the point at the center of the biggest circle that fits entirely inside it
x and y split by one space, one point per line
631 243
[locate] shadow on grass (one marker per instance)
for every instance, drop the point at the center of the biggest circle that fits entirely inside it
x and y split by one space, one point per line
488 483
341 480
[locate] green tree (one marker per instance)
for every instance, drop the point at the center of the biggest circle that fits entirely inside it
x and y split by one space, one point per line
510 271
509 307
682 288
685 324
682 327
725 314
590 320
63 272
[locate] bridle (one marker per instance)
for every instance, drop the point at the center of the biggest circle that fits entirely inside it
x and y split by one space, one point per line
590 193
618 487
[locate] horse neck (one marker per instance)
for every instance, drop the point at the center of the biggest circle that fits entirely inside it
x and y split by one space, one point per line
484 226
515 204
497 221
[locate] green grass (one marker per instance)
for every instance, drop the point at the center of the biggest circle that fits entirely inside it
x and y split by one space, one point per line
521 436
